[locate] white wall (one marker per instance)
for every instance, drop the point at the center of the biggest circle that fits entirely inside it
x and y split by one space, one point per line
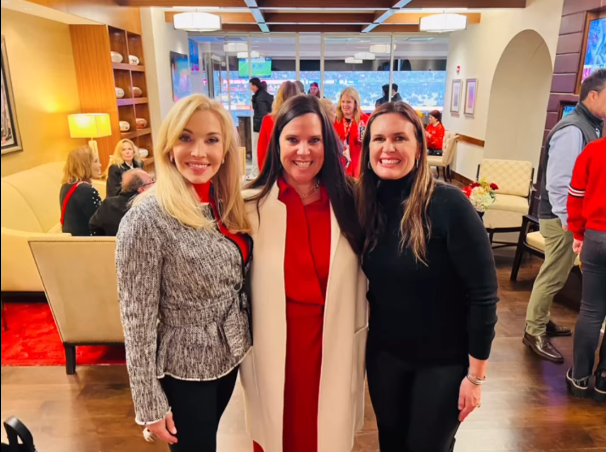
478 51
159 39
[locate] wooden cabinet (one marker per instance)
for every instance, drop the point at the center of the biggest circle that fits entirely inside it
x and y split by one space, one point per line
98 77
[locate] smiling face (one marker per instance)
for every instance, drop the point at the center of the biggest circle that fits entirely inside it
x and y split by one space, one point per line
302 149
128 153
394 147
198 153
348 106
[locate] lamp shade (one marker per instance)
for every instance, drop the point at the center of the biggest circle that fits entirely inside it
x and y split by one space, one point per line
443 23
196 21
93 125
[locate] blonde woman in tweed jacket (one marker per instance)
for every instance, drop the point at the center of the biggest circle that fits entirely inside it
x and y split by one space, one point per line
183 254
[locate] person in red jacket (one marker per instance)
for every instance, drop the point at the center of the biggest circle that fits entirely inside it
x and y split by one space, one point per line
435 133
286 91
587 222
351 125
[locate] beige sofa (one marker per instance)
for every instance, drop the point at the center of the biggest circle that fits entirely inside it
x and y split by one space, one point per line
30 209
82 297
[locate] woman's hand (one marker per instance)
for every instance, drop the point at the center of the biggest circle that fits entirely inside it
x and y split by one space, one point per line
470 398
165 430
577 246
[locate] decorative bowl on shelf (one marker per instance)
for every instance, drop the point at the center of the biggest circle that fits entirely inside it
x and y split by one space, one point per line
132 59
124 126
120 93
141 123
137 92
117 58
144 153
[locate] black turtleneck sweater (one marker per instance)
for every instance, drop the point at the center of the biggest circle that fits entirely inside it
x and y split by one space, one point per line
441 313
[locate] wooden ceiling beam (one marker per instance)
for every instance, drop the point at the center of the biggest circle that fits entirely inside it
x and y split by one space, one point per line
396 29
226 18
183 3
241 28
315 28
489 4
415 19
319 4
302 18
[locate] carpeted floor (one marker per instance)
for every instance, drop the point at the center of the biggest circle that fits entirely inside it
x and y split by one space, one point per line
32 339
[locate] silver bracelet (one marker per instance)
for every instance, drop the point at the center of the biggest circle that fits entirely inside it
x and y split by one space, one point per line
476 380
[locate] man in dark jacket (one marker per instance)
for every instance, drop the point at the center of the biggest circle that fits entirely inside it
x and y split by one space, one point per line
563 146
262 105
395 96
106 221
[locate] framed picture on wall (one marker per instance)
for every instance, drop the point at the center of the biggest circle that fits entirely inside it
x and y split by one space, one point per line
11 140
455 101
179 64
471 96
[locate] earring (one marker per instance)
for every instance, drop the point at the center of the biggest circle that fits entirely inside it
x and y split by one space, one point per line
417 163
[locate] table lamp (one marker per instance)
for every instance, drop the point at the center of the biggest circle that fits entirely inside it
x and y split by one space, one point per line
90 126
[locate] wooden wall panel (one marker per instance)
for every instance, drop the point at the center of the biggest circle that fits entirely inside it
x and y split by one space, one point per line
573 24
570 43
106 12
581 6
567 64
95 76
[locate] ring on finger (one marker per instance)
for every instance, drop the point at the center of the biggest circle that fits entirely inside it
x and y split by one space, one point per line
149 436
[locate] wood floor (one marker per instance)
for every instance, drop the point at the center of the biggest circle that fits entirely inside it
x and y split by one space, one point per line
525 407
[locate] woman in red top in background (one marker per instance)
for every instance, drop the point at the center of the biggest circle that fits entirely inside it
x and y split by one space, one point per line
587 222
304 379
435 133
286 91
351 125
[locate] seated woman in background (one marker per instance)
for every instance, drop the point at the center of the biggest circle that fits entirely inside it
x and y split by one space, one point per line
126 157
286 91
435 133
79 200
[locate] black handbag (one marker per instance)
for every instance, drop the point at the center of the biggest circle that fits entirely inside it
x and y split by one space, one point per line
19 437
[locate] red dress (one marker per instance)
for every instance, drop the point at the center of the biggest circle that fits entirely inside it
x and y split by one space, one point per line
306 268
349 133
435 138
267 127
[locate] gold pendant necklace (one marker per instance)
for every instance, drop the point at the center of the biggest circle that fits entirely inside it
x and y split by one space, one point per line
311 192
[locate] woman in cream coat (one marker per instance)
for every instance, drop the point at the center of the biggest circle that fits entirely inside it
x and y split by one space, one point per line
304 380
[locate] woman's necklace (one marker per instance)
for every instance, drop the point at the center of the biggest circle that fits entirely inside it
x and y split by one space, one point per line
311 192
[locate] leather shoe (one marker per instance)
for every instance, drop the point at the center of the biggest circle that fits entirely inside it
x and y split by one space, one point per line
554 330
543 347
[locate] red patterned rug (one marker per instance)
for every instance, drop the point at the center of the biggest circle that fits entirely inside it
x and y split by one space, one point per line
32 339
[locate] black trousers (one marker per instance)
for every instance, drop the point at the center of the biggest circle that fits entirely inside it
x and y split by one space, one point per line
593 307
416 407
197 410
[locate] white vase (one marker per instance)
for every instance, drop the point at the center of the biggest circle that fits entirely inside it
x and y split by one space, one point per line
141 123
137 92
124 126
120 93
117 58
144 153
133 60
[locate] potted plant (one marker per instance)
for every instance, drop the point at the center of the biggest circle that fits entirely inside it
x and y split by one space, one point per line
482 195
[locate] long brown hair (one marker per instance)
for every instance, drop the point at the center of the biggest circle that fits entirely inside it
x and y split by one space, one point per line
79 165
286 91
339 187
415 226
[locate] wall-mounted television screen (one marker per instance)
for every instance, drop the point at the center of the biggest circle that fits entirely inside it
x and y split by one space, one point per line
261 67
595 56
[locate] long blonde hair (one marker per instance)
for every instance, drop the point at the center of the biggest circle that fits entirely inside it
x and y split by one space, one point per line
415 226
351 92
286 91
175 194
117 158
79 165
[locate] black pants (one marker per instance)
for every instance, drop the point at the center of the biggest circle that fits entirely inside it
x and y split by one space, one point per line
197 410
416 407
593 306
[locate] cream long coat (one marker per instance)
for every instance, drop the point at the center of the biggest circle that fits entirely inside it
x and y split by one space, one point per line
342 385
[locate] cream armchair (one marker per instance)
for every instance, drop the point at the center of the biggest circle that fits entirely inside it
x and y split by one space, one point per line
80 283
30 209
514 179
451 143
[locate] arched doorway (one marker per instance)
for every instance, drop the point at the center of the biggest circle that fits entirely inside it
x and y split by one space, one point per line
518 100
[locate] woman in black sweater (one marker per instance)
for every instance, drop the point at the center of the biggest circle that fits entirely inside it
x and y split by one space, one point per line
78 199
126 157
433 289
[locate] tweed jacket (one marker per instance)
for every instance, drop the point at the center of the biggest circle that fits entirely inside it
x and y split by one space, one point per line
183 301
